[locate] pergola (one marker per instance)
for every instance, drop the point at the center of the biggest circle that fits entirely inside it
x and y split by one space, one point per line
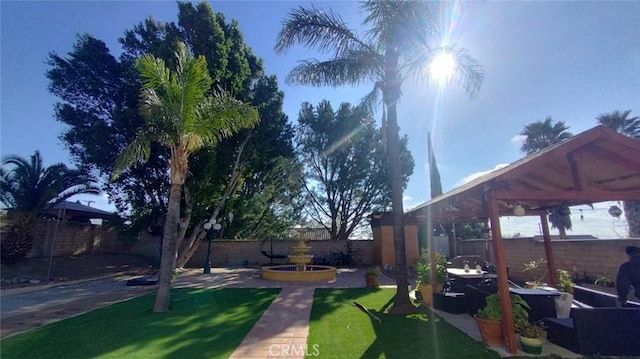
594 166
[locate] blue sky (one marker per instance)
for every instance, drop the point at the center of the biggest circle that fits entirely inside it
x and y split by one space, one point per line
568 60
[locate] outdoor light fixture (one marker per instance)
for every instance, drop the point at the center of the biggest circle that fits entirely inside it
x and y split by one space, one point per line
518 210
615 211
207 226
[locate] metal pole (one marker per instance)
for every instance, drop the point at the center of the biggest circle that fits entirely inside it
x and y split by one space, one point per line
207 265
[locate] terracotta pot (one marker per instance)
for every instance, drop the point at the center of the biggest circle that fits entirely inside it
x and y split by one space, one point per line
491 331
372 281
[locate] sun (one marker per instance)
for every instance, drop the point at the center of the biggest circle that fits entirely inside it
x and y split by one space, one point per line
442 67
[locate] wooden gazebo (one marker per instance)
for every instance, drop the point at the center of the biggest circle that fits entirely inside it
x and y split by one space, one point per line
594 166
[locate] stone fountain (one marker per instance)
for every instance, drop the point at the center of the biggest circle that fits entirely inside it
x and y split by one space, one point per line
301 270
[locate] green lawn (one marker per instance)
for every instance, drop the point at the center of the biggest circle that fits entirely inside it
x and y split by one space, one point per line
202 323
340 330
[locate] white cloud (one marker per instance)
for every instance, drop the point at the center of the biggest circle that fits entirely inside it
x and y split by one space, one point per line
408 202
518 138
475 175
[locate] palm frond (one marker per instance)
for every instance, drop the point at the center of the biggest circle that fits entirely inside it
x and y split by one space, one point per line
334 72
405 24
319 29
138 150
223 116
371 100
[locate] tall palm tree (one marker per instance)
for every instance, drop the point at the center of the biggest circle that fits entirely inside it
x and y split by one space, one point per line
184 115
401 41
28 188
621 123
540 135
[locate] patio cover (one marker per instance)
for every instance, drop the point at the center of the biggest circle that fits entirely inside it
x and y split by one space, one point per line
594 166
75 211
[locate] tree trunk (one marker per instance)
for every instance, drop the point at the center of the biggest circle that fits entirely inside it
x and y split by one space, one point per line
632 214
562 231
402 303
169 248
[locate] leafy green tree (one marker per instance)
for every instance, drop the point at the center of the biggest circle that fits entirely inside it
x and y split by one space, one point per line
401 41
28 188
345 171
99 99
182 115
540 135
628 126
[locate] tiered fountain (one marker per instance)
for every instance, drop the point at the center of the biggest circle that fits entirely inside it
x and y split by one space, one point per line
301 270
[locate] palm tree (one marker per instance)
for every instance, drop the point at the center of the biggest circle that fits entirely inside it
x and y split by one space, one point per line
540 135
621 123
184 115
401 42
28 188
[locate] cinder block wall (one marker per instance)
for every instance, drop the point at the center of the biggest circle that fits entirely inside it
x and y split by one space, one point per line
592 257
235 252
67 238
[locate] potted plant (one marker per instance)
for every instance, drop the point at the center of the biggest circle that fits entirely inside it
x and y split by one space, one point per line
538 272
604 280
371 276
489 318
532 337
563 302
425 284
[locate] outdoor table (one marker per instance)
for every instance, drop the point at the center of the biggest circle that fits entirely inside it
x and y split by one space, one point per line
460 278
472 273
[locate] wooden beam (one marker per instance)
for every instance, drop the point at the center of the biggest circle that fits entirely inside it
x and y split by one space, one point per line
616 158
503 282
548 251
434 272
541 183
586 196
575 161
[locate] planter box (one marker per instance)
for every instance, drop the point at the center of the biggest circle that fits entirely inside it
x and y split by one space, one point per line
450 302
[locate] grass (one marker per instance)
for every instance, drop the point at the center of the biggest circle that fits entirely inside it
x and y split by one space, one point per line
340 330
202 323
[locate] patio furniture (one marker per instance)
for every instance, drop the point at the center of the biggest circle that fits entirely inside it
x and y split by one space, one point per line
603 331
450 302
541 301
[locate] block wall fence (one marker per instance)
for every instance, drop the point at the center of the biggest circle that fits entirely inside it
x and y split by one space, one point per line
593 257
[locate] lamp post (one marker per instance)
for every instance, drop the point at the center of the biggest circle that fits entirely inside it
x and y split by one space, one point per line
208 226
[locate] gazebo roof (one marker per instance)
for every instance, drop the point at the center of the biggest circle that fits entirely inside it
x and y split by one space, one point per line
594 166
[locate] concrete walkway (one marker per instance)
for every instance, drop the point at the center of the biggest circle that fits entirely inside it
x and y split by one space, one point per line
283 329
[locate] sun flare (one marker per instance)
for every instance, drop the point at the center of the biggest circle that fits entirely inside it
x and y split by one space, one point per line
442 67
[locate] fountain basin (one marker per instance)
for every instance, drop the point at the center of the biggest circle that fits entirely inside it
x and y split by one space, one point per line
290 273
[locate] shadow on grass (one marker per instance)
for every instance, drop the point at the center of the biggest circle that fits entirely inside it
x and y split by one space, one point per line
202 323
340 330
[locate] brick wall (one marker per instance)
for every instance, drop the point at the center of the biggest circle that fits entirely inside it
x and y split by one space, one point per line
74 238
592 257
234 253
